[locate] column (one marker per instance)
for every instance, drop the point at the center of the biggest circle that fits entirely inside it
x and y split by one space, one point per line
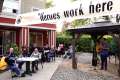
49 38
52 38
24 37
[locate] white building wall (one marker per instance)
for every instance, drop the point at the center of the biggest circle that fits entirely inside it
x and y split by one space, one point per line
27 5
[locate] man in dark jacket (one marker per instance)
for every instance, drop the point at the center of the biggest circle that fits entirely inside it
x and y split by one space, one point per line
46 52
24 54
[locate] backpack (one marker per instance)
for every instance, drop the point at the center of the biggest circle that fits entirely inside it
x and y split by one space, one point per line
3 64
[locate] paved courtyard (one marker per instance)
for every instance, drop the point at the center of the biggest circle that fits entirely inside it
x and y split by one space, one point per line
61 70
84 72
43 74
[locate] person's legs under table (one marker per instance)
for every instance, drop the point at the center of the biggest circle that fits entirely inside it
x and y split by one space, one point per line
20 64
36 65
15 69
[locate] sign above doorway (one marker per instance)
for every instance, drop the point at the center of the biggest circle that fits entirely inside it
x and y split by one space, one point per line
76 10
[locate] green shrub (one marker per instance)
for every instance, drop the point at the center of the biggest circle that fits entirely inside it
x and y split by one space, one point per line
14 46
84 44
65 41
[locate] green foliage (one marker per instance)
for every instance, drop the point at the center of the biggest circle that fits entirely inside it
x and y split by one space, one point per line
80 22
64 38
84 44
49 4
64 34
113 47
14 46
65 41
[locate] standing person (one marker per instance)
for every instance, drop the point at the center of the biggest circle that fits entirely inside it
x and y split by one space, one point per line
98 50
62 49
98 46
10 60
59 51
70 51
104 53
35 54
52 53
23 54
46 52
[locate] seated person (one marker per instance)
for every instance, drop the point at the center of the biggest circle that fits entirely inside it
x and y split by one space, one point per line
52 53
46 52
10 60
69 52
59 51
24 54
35 54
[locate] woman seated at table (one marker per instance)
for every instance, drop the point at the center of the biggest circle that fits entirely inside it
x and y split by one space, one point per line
24 54
35 54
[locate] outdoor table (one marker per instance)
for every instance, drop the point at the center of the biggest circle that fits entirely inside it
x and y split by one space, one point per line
27 60
46 51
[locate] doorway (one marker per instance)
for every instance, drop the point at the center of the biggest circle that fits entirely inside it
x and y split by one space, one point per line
36 39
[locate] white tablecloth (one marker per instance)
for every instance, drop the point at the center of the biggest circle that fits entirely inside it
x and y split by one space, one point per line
45 51
27 59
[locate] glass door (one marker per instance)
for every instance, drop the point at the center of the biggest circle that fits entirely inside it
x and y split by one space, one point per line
9 37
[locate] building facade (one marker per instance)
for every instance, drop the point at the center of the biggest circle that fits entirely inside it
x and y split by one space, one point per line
36 35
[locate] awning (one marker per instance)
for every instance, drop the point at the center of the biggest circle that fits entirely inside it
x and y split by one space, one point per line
97 28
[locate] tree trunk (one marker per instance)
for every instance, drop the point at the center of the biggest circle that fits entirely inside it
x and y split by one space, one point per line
74 59
1 5
94 57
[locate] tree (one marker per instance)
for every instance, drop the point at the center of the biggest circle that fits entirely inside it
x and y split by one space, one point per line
1 5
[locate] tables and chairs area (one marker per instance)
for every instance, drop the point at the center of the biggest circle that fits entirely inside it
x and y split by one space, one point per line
27 60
